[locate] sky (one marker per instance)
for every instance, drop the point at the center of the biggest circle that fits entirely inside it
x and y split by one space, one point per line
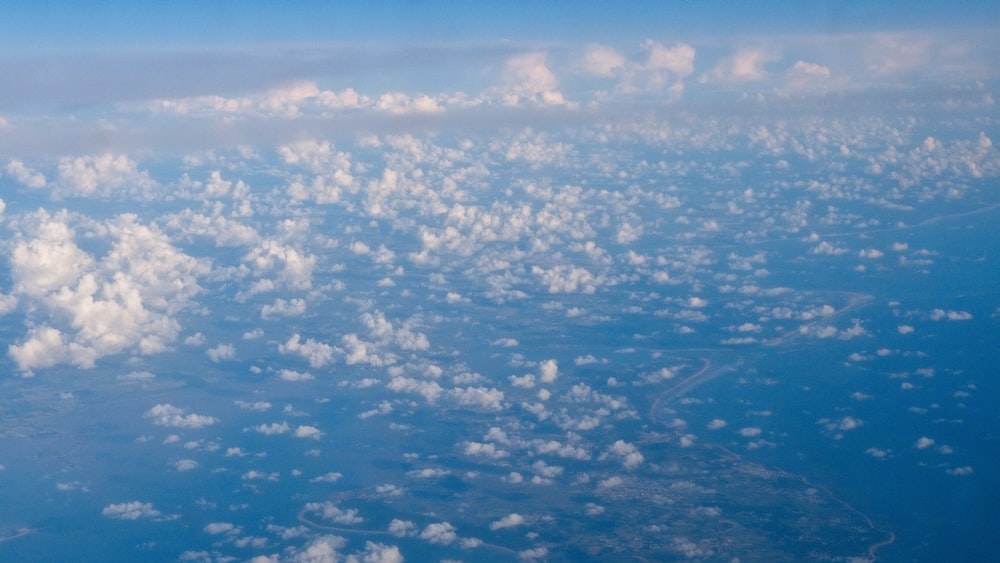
394 281
94 74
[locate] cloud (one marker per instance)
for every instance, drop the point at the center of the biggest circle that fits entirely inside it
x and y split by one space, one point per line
221 353
330 511
529 80
745 65
331 477
125 301
716 424
317 353
24 175
630 456
941 314
511 520
134 510
402 528
216 528
923 443
283 308
165 414
440 533
310 432
602 60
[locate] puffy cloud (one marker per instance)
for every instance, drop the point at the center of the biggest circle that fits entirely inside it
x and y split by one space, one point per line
402 528
511 520
479 397
399 103
941 314
132 511
25 175
292 375
630 456
323 549
602 60
923 443
185 465
102 175
272 429
548 371
221 353
216 528
165 414
485 450
284 308
803 68
317 353
330 511
529 80
126 301
440 533
331 477
306 431
746 65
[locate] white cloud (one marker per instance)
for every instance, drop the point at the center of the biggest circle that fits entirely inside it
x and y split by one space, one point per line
630 456
25 175
165 414
716 424
331 477
124 302
548 371
306 431
333 513
511 520
317 353
292 375
102 175
216 528
941 314
440 533
602 60
132 511
529 80
221 353
402 528
283 308
185 465
485 450
272 429
746 65
923 443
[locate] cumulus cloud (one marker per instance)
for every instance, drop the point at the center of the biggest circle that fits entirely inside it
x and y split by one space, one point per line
102 175
441 533
317 353
166 414
529 80
25 175
333 513
602 60
126 301
745 65
630 456
133 510
306 431
509 521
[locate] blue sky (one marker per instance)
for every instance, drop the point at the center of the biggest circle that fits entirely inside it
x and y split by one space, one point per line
56 25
